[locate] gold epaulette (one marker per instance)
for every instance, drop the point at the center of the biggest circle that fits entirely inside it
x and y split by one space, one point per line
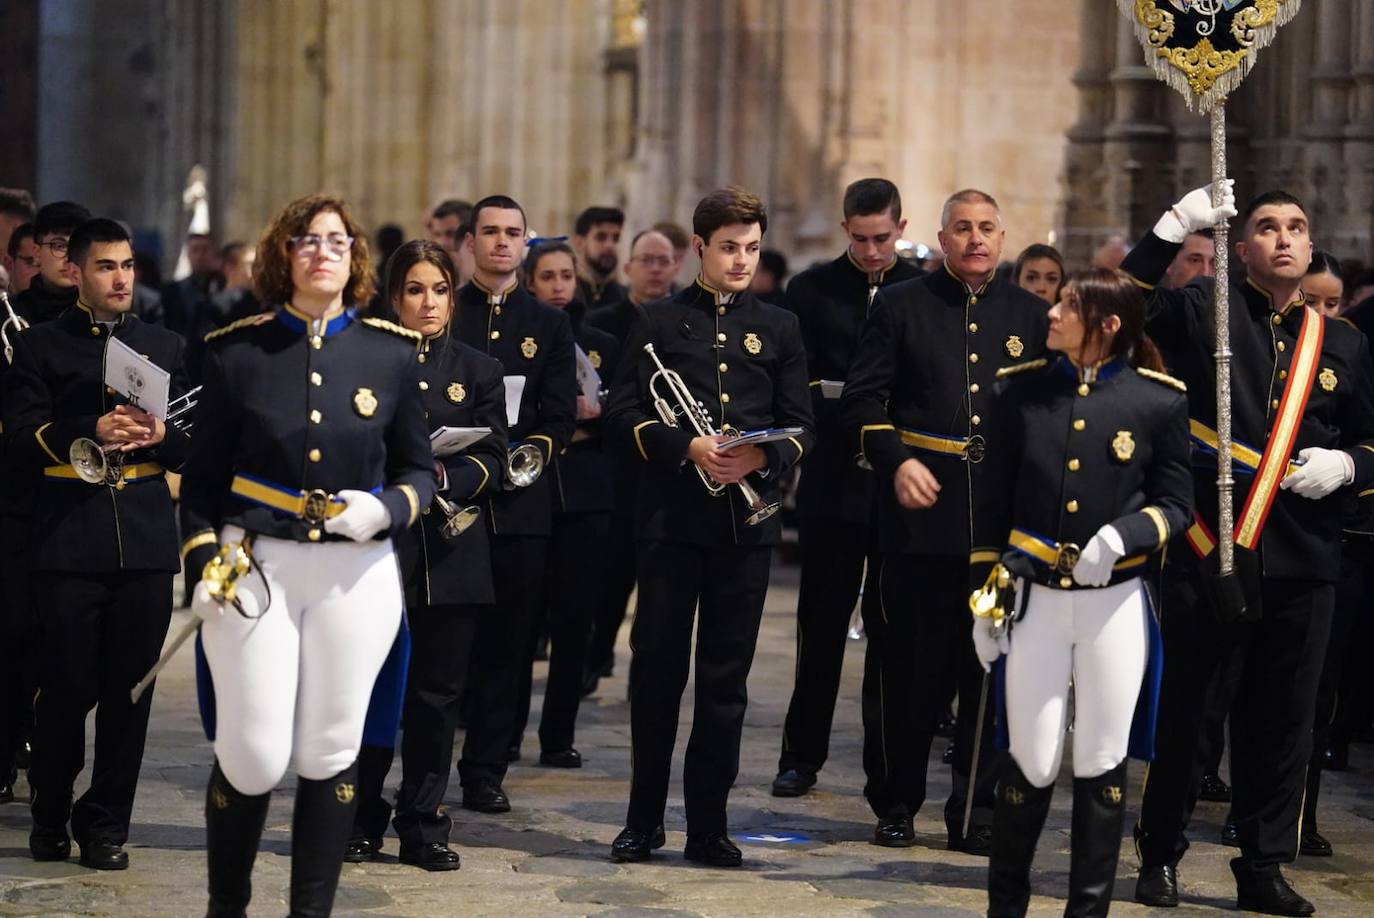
395 329
1163 379
241 323
1021 367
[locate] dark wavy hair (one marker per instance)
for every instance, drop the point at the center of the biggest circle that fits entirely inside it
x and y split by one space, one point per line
1100 293
1039 250
407 256
272 272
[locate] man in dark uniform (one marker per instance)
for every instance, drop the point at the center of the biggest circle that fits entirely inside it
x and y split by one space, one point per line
104 554
1300 390
743 359
915 405
50 293
185 301
596 237
835 496
535 346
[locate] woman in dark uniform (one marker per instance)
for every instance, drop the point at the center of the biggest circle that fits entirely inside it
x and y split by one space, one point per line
310 454
1098 483
447 577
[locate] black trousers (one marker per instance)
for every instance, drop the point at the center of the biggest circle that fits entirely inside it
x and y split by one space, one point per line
919 641
440 645
1271 721
576 586
1346 694
20 641
1221 696
726 585
101 634
615 597
498 657
832 569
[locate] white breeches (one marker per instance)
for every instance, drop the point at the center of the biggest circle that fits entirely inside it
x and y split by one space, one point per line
292 687
1100 638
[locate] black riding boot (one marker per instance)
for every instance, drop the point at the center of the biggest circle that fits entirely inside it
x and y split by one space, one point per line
1016 824
320 828
1099 808
233 827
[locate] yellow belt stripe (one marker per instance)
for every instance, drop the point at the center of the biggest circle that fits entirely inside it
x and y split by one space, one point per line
275 499
131 472
935 444
1037 549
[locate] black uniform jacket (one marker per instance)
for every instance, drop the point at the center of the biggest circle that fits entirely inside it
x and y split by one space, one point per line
582 472
289 407
460 387
54 394
921 381
742 359
603 297
1301 538
533 341
1359 517
832 302
617 319
1086 447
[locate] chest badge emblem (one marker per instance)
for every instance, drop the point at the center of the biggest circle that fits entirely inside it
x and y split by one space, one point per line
456 392
752 344
1015 347
1327 379
365 402
1123 446
529 348
594 358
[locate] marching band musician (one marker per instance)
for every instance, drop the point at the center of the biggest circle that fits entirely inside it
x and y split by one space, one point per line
916 407
1302 416
579 565
1097 457
742 360
103 554
447 577
534 344
835 496
311 453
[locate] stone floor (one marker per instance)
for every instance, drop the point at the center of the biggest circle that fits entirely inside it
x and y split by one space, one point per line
548 857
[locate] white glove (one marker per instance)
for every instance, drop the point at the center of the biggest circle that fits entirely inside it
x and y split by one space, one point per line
363 518
1094 567
1195 212
1322 472
987 644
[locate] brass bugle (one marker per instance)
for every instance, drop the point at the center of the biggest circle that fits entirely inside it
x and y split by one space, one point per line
96 464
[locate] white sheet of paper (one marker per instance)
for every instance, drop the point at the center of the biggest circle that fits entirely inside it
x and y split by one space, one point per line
588 380
142 382
759 437
831 388
515 390
449 440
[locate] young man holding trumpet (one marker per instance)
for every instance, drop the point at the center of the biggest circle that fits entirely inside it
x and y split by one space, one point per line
703 367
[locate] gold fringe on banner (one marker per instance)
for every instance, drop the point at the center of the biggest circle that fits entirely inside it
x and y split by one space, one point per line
1204 74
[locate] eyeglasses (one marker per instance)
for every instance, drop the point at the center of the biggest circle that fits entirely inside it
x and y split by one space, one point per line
58 246
337 244
654 261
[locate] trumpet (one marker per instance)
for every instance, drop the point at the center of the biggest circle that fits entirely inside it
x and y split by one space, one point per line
13 322
684 407
456 519
524 465
96 464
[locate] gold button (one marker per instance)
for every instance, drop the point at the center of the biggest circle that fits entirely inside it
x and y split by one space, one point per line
314 455
972 358
973 326
725 398
973 388
724 368
424 512
95 329
975 420
313 535
1283 374
496 336
1282 346
1066 583
316 379
421 358
1083 389
721 337
1274 403
973 301
424 386
316 341
720 310
109 390
316 416
1071 506
1276 319
497 310
1074 465
1079 424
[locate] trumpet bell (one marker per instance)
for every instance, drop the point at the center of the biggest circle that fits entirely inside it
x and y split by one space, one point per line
90 462
524 465
459 521
761 514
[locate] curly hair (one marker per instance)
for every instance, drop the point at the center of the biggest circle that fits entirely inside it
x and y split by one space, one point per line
272 272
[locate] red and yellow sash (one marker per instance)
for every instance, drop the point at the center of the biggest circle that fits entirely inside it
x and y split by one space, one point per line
1274 464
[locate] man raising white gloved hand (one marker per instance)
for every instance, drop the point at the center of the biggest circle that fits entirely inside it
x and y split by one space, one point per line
1195 211
1094 567
363 518
1322 472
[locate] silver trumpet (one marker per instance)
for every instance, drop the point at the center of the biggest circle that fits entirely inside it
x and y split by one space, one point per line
13 323
679 405
456 519
96 464
524 465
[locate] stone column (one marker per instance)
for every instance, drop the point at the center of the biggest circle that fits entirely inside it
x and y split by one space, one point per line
1359 135
1086 218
